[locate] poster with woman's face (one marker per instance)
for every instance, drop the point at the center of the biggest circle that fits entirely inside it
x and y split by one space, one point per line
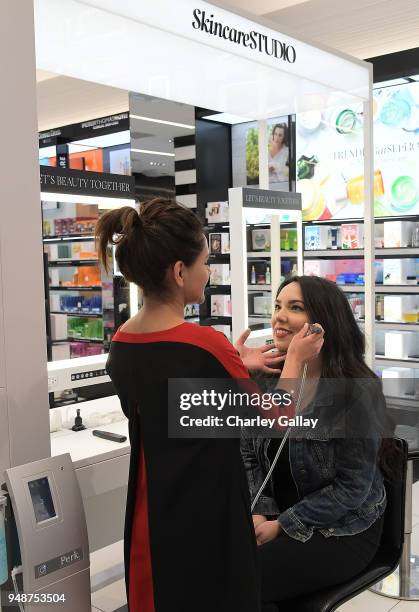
278 154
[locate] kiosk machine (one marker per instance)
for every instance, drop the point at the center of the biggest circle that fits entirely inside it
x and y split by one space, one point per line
51 526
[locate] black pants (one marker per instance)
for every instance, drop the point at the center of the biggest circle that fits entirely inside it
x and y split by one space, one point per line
290 568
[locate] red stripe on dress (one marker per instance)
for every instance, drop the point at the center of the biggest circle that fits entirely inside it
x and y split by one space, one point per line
141 594
203 337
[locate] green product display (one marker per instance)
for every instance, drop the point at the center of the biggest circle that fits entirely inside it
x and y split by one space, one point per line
85 329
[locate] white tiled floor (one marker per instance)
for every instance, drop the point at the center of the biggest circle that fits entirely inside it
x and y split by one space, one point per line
113 596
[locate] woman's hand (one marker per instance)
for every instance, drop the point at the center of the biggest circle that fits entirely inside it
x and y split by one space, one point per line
305 348
258 519
258 358
267 531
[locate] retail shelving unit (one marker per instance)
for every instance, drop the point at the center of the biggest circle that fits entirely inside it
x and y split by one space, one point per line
276 209
380 289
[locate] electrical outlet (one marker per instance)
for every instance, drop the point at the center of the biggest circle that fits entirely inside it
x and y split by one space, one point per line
52 381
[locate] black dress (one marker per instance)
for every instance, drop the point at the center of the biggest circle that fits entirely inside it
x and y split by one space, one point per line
189 537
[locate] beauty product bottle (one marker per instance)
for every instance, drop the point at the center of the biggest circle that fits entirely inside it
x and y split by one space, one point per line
253 276
415 237
286 242
268 275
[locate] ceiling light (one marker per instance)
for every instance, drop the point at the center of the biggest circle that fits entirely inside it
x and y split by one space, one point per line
414 77
227 118
152 152
85 199
174 123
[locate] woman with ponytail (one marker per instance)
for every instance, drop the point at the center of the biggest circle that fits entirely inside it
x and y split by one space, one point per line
189 538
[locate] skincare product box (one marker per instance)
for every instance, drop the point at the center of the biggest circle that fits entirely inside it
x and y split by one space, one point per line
379 235
220 305
397 234
397 381
319 267
399 344
54 276
261 239
59 327
397 271
224 329
217 212
219 243
399 307
352 236
60 351
219 274
288 239
262 305
316 237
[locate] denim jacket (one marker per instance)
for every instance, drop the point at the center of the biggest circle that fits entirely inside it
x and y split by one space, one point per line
339 482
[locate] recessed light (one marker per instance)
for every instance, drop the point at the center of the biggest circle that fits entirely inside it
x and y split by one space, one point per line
151 120
152 152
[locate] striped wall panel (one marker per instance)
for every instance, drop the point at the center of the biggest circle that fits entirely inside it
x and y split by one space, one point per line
185 170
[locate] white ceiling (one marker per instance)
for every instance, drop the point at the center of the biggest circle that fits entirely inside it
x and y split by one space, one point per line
362 28
63 100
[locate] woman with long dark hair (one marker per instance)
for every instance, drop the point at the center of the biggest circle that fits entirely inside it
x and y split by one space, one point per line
319 519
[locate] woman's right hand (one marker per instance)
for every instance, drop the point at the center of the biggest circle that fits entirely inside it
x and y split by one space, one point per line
305 348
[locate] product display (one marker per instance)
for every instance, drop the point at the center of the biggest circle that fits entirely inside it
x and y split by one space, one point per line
219 274
217 212
316 237
398 271
262 305
221 305
261 239
400 345
398 234
401 308
352 235
219 243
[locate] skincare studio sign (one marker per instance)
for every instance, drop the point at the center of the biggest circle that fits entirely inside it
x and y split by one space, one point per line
255 40
77 182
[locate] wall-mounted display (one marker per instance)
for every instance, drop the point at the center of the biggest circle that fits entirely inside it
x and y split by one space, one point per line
330 157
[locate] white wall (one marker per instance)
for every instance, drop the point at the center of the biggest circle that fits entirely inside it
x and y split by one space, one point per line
24 420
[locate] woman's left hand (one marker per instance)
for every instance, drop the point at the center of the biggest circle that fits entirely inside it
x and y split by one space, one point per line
267 531
258 358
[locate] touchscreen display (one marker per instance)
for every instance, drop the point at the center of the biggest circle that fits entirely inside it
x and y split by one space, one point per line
42 499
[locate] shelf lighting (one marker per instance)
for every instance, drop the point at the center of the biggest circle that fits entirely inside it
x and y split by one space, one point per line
163 121
152 152
227 118
106 203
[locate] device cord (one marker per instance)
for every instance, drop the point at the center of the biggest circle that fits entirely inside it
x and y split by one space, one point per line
284 439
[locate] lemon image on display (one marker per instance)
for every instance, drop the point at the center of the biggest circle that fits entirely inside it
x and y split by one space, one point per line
312 198
404 193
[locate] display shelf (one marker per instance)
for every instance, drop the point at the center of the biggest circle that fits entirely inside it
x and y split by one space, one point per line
73 263
68 238
89 315
399 252
210 289
411 362
75 288
95 340
397 289
219 257
344 253
216 320
264 254
259 287
413 289
255 318
397 326
216 226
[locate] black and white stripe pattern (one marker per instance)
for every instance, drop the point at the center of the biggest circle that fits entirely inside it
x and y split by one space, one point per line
185 170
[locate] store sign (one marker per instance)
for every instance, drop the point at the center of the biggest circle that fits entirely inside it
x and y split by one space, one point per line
61 180
277 200
251 39
86 129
